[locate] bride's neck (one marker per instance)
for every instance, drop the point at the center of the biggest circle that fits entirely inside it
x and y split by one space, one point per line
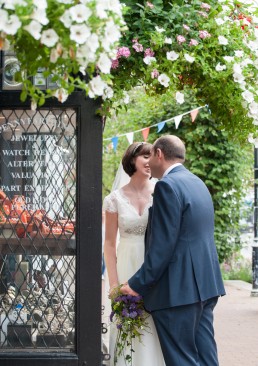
139 183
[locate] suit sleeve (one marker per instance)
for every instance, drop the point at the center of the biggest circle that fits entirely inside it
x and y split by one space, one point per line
165 226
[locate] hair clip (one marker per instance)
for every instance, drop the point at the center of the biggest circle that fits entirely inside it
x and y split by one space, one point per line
137 147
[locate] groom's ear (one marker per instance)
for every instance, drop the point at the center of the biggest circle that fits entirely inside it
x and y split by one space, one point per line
159 153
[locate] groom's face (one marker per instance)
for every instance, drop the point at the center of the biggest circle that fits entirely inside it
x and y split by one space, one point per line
154 164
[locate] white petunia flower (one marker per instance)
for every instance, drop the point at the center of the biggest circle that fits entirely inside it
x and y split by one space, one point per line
220 67
3 18
80 13
149 59
239 53
41 16
101 12
172 55
252 45
180 98
253 108
251 138
79 33
112 32
228 58
168 40
93 42
104 63
238 78
159 30
66 19
248 96
222 40
49 37
189 58
12 25
246 62
164 80
34 28
108 93
40 4
61 94
219 21
96 87
10 4
237 68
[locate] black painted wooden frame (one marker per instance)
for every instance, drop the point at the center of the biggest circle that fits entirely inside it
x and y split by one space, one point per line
88 245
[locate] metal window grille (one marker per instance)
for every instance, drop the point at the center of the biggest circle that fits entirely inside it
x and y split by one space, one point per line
37 229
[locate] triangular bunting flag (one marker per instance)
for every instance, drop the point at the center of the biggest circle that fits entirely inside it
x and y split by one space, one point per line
177 120
114 141
145 133
161 126
130 136
194 114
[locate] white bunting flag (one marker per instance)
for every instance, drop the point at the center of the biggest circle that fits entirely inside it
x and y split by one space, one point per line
130 136
177 120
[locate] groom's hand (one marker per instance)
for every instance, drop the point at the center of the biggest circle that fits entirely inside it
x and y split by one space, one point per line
126 290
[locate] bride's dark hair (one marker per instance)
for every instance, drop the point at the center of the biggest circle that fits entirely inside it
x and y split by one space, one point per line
134 150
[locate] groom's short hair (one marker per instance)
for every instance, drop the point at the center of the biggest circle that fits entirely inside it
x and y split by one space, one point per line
134 150
172 147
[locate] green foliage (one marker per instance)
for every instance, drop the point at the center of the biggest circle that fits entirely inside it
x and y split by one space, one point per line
223 164
237 268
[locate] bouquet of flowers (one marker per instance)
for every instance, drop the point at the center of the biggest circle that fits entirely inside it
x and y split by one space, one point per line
130 318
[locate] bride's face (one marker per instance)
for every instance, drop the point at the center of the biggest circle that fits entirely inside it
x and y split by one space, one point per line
142 164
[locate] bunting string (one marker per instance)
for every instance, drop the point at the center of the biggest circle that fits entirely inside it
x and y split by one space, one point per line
160 125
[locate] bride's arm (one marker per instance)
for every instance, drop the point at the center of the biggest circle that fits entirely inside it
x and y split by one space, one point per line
111 228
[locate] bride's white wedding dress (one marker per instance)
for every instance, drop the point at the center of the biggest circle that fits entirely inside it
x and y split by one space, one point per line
130 256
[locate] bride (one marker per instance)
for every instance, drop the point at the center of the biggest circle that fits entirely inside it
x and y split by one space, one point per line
126 211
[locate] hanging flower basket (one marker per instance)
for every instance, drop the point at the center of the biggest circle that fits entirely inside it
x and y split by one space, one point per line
73 42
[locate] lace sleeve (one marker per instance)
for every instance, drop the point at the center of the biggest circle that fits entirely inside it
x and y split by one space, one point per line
110 203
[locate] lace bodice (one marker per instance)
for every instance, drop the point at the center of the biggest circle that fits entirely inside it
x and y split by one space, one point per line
130 223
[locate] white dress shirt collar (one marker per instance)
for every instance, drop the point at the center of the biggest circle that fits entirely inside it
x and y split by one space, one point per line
170 168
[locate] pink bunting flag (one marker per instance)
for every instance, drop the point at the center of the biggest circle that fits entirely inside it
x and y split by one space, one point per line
194 114
145 133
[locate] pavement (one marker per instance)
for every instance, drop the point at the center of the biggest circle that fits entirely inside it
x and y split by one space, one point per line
236 325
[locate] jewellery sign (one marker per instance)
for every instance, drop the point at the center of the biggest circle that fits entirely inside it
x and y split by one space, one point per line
38 162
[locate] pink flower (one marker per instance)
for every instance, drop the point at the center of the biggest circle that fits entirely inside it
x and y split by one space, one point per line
205 6
204 34
193 42
186 27
154 74
138 47
149 52
135 40
202 14
123 52
150 5
115 64
180 39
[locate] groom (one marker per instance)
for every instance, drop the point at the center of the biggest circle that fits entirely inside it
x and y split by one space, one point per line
180 278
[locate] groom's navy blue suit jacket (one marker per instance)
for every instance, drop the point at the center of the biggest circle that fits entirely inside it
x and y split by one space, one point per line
181 264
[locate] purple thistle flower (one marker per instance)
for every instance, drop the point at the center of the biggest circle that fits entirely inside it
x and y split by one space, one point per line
119 326
125 313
